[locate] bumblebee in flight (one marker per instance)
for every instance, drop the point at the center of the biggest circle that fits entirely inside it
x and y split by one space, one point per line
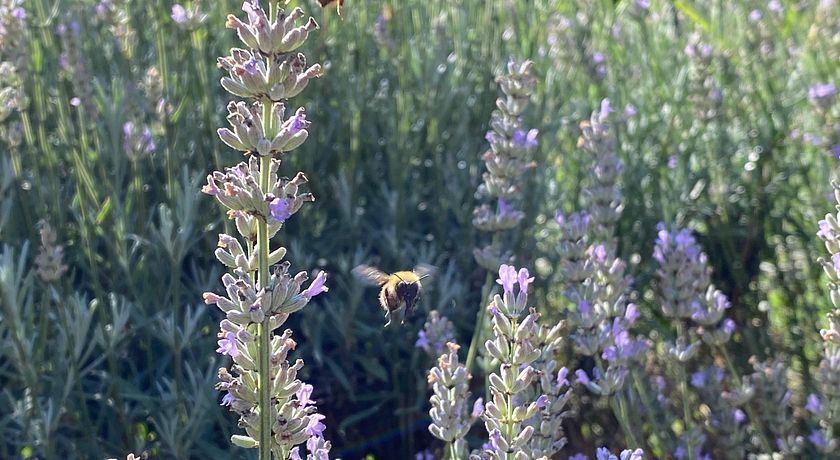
398 289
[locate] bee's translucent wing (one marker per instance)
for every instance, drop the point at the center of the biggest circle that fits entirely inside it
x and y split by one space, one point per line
425 271
370 275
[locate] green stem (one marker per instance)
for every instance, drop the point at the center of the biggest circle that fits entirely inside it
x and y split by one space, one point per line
263 330
479 322
686 413
453 453
689 442
624 420
482 312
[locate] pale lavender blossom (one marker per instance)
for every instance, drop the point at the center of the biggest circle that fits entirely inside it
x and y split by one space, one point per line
227 345
822 94
304 394
813 405
424 455
318 286
279 208
524 279
642 4
507 277
817 438
179 14
523 140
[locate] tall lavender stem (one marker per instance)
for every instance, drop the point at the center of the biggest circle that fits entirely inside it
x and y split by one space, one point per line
274 406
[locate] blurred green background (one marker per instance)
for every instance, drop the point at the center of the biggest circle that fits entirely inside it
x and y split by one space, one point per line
109 112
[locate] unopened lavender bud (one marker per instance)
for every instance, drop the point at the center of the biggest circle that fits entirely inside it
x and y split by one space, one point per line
296 36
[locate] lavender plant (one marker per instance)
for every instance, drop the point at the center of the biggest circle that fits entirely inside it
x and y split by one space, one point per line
825 405
514 349
507 160
695 309
274 407
450 382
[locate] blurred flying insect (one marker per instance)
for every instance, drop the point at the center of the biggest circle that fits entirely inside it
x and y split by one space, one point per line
338 4
398 289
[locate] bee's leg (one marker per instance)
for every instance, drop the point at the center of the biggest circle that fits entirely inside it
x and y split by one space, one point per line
388 318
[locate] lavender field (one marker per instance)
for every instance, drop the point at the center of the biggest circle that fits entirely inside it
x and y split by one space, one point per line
420 229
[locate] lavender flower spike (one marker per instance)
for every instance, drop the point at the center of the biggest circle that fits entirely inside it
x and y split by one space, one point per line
450 419
275 408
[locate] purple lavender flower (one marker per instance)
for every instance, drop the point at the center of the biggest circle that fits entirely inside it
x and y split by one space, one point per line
812 139
523 140
826 231
583 308
605 110
813 405
755 15
598 58
821 91
303 395
227 345
507 277
315 427
317 286
631 313
728 326
672 162
179 14
251 67
562 375
424 455
227 399
642 4
298 123
600 253
505 209
817 438
251 9
698 379
295 454
822 94
421 342
581 377
774 6
75 102
279 208
524 280
478 408
19 13
495 437
835 150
